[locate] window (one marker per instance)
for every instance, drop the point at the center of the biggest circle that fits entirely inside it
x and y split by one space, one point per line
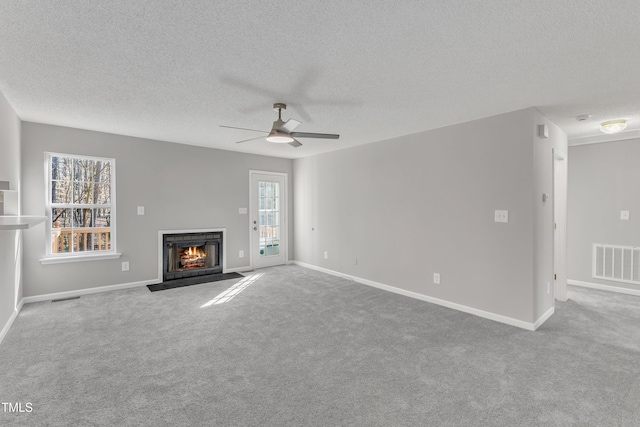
269 215
80 206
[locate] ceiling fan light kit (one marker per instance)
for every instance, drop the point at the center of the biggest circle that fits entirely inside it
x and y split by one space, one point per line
279 137
282 132
613 126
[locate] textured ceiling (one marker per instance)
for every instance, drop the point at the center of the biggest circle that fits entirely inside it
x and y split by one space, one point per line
368 70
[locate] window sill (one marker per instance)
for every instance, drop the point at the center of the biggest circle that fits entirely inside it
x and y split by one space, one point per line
79 258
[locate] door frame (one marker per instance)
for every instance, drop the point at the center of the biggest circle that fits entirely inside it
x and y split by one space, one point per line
559 225
284 219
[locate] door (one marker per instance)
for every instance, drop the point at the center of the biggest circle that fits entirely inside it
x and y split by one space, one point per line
268 219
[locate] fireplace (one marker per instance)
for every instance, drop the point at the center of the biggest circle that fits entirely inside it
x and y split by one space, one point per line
191 254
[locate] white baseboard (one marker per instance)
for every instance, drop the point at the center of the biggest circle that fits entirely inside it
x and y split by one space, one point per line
481 313
609 288
249 268
5 329
79 292
543 318
470 310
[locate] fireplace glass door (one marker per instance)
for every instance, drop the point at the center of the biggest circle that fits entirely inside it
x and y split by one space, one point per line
183 258
192 254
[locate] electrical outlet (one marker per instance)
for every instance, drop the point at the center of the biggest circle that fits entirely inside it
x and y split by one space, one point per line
125 266
326 255
241 254
355 262
436 278
140 210
501 216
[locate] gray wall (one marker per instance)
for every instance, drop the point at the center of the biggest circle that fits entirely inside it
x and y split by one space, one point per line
421 204
10 269
604 179
181 187
404 208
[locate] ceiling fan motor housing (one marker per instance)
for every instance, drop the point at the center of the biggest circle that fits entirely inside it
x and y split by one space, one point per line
277 124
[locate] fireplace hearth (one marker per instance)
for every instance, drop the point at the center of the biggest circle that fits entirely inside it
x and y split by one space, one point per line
191 255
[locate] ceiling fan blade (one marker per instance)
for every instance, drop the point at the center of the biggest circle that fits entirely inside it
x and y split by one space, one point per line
300 110
232 81
295 143
253 130
250 139
289 125
314 135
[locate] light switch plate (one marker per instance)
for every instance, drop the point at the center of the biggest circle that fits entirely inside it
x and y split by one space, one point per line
242 211
624 215
501 216
140 210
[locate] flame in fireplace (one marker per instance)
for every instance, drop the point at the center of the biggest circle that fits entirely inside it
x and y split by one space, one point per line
195 251
193 257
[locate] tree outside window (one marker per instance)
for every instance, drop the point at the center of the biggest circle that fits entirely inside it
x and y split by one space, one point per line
80 204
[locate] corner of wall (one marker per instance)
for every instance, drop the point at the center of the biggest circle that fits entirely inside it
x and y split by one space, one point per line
10 241
548 139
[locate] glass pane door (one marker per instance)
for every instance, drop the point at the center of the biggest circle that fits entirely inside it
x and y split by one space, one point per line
269 218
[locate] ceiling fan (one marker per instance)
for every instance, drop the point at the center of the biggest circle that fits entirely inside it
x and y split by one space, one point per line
282 132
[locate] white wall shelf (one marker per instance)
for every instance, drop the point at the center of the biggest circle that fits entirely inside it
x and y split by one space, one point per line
12 222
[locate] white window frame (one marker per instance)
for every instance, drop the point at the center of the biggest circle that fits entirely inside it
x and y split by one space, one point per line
55 258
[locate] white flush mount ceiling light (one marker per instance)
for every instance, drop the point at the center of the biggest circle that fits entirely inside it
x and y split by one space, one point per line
613 126
279 137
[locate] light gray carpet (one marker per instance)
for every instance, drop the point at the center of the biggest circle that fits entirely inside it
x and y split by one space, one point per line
301 348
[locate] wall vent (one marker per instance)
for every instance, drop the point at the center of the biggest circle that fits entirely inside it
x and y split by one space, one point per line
618 263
